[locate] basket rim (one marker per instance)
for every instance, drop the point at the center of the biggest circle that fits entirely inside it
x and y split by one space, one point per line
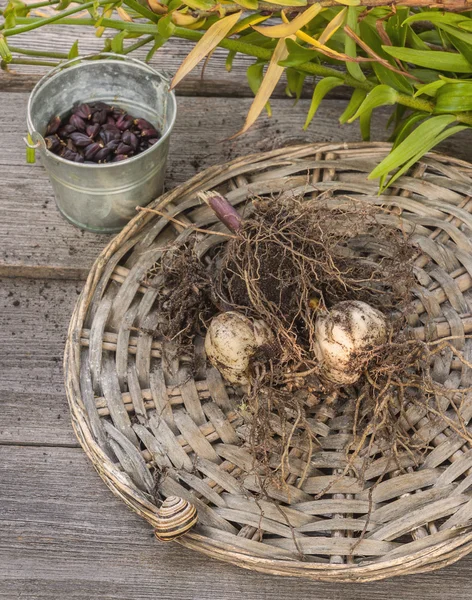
435 556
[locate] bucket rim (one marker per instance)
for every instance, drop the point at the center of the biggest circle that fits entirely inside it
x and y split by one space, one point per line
111 57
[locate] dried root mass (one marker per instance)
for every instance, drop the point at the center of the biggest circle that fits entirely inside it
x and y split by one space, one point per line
292 260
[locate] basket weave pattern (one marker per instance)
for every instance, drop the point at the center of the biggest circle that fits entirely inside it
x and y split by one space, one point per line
139 409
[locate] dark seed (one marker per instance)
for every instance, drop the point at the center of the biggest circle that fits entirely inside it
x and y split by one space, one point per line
77 122
119 157
113 145
149 133
79 159
109 127
143 124
52 143
111 120
130 139
110 136
71 145
100 106
91 150
68 154
53 125
152 141
124 122
80 139
92 130
123 149
102 154
100 116
83 111
66 130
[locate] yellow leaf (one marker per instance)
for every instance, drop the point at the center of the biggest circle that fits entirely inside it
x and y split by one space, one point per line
123 14
249 21
349 2
291 27
289 2
157 7
301 35
272 76
332 27
206 44
183 19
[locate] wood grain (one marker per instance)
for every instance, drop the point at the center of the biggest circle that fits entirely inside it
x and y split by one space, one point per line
36 242
216 81
64 535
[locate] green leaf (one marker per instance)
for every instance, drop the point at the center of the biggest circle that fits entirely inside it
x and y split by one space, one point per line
229 60
350 46
464 48
117 42
166 27
467 25
404 128
413 40
255 75
74 50
356 100
297 54
30 152
384 75
430 89
295 81
440 61
321 89
159 41
5 53
379 96
418 142
424 75
394 27
454 97
364 124
436 17
441 137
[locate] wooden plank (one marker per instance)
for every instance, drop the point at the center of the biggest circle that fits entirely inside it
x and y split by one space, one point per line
36 242
217 81
64 535
34 317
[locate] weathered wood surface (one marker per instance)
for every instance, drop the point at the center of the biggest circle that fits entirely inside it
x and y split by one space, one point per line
62 533
36 242
217 81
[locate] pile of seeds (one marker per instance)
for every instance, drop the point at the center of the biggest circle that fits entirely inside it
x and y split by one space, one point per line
99 133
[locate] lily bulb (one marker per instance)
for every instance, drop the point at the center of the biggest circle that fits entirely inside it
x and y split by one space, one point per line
345 332
231 342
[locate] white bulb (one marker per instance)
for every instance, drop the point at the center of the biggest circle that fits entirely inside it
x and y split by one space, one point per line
232 340
342 334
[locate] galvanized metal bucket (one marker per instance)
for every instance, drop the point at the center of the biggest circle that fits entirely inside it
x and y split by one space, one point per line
103 198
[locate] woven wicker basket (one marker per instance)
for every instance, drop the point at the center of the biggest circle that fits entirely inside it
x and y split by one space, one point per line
137 408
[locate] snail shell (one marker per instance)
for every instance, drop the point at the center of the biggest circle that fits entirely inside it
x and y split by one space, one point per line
174 518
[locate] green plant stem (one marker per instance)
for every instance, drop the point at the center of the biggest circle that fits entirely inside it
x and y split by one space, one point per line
142 10
27 52
317 70
38 63
138 44
35 23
